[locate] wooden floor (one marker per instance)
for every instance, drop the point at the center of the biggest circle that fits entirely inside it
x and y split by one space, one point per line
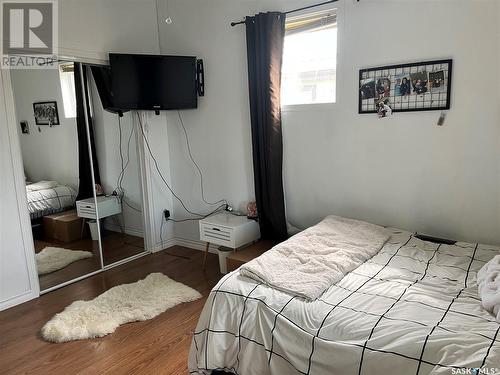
115 247
156 346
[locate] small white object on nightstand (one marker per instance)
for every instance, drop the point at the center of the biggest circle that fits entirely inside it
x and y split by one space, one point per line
228 230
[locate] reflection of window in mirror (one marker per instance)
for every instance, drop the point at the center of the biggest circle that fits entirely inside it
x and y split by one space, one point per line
67 78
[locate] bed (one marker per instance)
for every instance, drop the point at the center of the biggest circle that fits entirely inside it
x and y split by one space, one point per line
411 309
48 197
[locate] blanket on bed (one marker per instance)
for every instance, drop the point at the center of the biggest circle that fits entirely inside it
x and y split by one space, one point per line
412 309
488 280
312 261
44 198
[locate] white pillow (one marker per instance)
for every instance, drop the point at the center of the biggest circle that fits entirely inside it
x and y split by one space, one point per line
42 185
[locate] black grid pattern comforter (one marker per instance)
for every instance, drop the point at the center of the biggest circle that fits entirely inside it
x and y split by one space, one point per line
49 201
411 309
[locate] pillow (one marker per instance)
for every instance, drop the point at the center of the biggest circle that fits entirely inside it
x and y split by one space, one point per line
42 185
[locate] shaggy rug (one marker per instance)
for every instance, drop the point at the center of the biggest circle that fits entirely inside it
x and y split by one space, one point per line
121 304
51 259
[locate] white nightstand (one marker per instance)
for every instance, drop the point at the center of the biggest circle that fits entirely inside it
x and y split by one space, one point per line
106 206
228 230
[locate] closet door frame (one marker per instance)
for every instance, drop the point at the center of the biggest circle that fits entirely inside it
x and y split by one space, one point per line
20 187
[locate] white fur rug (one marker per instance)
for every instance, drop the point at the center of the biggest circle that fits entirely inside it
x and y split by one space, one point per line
51 259
121 304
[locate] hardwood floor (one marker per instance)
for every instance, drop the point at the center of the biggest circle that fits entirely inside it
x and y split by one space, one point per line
115 246
156 346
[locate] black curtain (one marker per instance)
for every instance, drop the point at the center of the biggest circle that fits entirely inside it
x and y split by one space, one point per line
265 33
86 188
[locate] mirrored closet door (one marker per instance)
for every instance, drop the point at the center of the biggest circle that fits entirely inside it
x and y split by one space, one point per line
119 195
82 172
58 173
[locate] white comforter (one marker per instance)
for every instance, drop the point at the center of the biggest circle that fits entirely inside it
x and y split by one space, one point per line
310 262
45 198
411 309
488 279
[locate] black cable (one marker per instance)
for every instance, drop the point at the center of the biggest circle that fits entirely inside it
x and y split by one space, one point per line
121 151
197 166
220 208
155 162
124 167
119 191
130 206
161 241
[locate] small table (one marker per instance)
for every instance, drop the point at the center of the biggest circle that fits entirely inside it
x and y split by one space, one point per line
103 206
228 230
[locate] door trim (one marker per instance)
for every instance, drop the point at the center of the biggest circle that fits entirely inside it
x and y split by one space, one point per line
20 189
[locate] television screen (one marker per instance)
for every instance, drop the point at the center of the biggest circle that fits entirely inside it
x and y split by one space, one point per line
152 82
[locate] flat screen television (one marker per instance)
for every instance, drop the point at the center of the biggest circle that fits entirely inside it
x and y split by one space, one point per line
153 82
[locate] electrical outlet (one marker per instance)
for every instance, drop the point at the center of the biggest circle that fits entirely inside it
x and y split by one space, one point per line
166 213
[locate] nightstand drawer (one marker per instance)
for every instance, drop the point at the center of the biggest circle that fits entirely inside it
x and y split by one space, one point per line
216 234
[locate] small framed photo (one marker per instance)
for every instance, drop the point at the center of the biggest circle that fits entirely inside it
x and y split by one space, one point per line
46 113
421 86
25 129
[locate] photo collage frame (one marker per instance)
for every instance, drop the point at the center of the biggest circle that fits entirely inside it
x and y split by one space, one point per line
423 86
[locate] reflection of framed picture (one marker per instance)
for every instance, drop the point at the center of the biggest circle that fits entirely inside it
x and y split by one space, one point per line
423 86
46 113
25 129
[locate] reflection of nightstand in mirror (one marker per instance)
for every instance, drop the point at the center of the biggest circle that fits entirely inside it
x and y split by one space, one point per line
106 206
228 230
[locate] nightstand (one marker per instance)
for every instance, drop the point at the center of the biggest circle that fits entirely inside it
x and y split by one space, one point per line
106 206
102 206
228 230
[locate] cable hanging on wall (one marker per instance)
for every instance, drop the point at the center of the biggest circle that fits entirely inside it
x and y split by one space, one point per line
160 174
197 166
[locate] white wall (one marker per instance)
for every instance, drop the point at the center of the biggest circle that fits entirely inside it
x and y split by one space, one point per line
94 28
52 152
403 171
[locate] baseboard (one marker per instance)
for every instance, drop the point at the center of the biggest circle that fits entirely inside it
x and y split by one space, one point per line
178 241
164 245
128 230
17 300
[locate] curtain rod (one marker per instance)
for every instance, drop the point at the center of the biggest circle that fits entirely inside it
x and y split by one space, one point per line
294 10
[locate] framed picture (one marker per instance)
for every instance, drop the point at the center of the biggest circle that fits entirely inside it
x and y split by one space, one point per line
423 86
25 129
46 113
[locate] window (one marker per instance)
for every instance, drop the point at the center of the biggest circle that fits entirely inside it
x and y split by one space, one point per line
67 78
310 59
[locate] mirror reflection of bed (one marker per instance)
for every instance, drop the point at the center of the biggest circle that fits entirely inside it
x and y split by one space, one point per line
66 170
